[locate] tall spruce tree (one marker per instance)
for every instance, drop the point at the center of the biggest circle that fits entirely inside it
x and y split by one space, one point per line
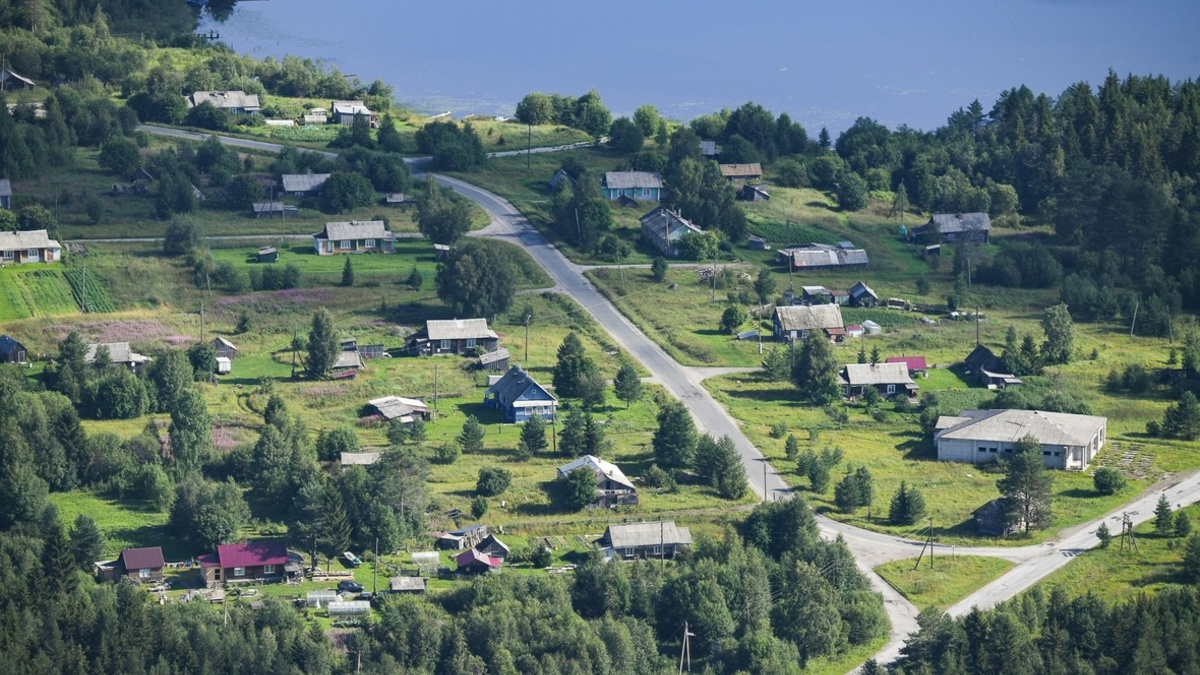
1026 486
533 436
675 439
627 385
572 368
322 346
816 370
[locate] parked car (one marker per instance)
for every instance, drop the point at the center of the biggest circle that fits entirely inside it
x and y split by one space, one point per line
350 586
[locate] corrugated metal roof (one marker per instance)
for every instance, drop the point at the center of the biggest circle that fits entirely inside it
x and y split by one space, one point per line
118 352
492 357
392 407
226 99
811 317
662 222
620 180
25 240
149 557
647 534
961 222
459 329
359 458
403 584
304 182
753 170
598 466
252 553
860 289
348 359
860 374
223 343
1010 426
356 229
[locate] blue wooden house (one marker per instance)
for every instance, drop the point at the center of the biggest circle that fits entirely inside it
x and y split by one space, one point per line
636 185
518 396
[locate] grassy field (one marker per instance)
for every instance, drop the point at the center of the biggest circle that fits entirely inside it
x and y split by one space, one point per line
949 580
1117 575
125 523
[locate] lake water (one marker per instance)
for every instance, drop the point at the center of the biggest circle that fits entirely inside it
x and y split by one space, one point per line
825 63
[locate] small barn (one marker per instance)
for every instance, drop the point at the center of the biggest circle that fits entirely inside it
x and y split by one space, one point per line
495 361
992 519
224 348
349 459
408 585
754 193
267 254
12 351
493 547
757 244
475 562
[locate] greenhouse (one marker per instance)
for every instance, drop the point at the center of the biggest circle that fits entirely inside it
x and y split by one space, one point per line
349 608
321 598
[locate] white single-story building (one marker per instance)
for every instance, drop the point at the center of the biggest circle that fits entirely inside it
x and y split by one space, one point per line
979 436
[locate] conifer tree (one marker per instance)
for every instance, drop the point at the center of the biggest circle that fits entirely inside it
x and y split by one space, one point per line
533 436
322 346
470 440
347 273
675 439
627 385
1164 520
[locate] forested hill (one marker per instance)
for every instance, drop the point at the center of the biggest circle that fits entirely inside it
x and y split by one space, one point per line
158 18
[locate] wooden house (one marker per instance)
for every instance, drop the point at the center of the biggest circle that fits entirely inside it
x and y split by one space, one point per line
303 184
474 562
407 410
560 179
757 244
5 194
613 488
462 538
453 336
29 246
344 112
815 295
141 564
493 547
709 149
818 256
994 520
119 353
254 561
662 228
355 236
224 348
861 295
518 397
988 369
12 351
796 322
235 101
741 173
754 193
645 540
889 379
495 361
10 81
636 185
408 585
952 228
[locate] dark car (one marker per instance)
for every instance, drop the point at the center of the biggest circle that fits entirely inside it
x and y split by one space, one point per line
350 586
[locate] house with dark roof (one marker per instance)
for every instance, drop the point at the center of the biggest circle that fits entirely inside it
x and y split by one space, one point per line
355 236
916 364
740 173
493 547
889 379
5 194
952 228
815 295
817 256
645 540
797 321
29 246
10 81
636 185
301 184
253 561
662 228
12 351
1067 441
236 101
756 243
988 369
613 488
993 519
141 564
473 561
453 336
754 193
861 295
518 397
560 179
709 149
462 538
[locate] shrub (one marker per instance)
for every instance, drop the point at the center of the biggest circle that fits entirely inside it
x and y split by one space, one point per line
446 453
1108 480
479 507
779 429
493 481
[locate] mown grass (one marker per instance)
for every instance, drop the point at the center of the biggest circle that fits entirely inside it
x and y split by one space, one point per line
951 578
1117 575
125 523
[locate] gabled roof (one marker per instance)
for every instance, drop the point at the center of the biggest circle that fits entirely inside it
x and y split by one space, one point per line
459 329
815 290
516 382
359 458
392 407
753 170
491 541
348 359
6 75
5 187
8 344
620 180
1010 426
118 352
222 342
350 108
646 534
709 148
225 99
601 468
471 555
865 374
961 222
252 554
147 558
662 222
354 229
811 317
402 584
859 289
25 240
912 362
822 255
492 357
304 182
981 359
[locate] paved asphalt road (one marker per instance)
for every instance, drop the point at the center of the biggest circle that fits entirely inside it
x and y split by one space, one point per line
870 549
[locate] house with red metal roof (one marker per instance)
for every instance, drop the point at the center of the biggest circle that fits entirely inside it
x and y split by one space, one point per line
474 561
140 564
253 561
916 364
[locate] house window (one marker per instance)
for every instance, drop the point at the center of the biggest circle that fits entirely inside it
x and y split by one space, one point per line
268 569
445 344
143 574
629 552
657 550
239 571
891 389
9 255
31 253
982 449
1045 453
369 243
991 449
470 342
345 243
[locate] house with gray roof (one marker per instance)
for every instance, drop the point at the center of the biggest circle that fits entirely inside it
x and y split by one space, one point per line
613 488
889 379
645 540
519 397
797 321
1067 441
5 194
29 246
817 256
118 353
407 410
951 228
663 228
636 185
344 113
740 173
355 236
235 101
10 81
301 184
709 149
453 336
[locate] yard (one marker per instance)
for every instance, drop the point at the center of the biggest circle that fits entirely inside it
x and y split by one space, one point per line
945 582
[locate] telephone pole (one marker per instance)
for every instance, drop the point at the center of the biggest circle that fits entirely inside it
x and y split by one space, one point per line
435 387
686 649
527 319
1127 534
928 544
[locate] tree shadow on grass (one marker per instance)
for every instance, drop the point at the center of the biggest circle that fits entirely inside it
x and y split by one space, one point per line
1162 574
917 448
1079 493
154 535
484 414
765 395
557 493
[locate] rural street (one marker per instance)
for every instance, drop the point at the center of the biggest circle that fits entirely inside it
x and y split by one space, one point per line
870 548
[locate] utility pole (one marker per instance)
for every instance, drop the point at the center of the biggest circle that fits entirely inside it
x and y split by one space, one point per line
686 649
201 321
1127 534
928 544
662 543
714 277
765 491
375 570
554 434
1133 323
435 387
529 146
976 325
527 318
295 339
